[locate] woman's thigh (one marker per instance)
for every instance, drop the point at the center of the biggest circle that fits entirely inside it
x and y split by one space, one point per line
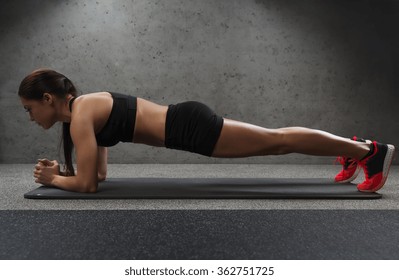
239 139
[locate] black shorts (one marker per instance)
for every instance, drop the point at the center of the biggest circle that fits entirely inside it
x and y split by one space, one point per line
192 126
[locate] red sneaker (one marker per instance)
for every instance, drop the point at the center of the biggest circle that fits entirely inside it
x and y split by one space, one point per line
350 170
350 167
376 167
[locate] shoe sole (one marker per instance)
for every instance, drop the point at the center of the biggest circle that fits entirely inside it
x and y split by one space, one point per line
387 165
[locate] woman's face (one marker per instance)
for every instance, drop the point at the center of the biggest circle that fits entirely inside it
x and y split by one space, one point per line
41 111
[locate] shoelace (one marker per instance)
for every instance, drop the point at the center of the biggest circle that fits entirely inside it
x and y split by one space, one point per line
346 162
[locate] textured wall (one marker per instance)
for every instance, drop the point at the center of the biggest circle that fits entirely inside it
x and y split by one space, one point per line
330 65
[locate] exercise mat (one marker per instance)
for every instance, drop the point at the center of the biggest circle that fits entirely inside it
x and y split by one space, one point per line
201 188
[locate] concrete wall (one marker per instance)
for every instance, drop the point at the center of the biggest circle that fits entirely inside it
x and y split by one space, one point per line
326 64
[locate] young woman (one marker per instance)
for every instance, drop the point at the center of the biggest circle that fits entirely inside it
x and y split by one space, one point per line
94 121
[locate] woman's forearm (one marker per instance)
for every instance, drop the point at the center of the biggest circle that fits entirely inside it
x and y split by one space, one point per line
74 183
102 163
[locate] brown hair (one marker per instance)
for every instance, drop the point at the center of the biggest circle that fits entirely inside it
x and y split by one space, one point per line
43 81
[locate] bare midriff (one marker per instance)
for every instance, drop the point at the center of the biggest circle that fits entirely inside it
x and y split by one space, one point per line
150 123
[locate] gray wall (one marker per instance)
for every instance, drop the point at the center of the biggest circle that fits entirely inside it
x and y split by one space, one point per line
331 65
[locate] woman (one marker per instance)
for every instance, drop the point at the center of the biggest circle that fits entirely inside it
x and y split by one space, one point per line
95 121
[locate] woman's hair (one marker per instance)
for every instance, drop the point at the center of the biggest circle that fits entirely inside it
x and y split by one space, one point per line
43 81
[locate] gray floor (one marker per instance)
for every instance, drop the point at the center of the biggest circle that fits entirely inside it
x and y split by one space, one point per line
200 234
16 179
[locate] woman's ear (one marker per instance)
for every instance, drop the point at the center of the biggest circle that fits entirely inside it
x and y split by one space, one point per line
48 98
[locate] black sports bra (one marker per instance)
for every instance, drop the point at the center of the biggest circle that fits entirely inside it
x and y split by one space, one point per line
121 121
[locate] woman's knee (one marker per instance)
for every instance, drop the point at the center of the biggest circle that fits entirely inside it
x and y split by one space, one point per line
289 137
283 144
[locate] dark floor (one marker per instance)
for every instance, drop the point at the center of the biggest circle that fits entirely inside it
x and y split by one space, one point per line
193 234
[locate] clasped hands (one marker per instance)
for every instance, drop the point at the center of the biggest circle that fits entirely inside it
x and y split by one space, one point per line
45 171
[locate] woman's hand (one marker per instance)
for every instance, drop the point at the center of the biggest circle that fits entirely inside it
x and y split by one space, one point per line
45 171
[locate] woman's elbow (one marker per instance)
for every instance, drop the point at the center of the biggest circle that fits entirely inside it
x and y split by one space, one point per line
89 188
102 177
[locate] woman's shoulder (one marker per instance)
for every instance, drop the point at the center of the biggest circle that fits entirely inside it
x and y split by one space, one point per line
103 94
91 102
95 94
92 107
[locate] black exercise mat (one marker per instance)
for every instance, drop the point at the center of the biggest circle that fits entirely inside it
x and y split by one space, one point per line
200 188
